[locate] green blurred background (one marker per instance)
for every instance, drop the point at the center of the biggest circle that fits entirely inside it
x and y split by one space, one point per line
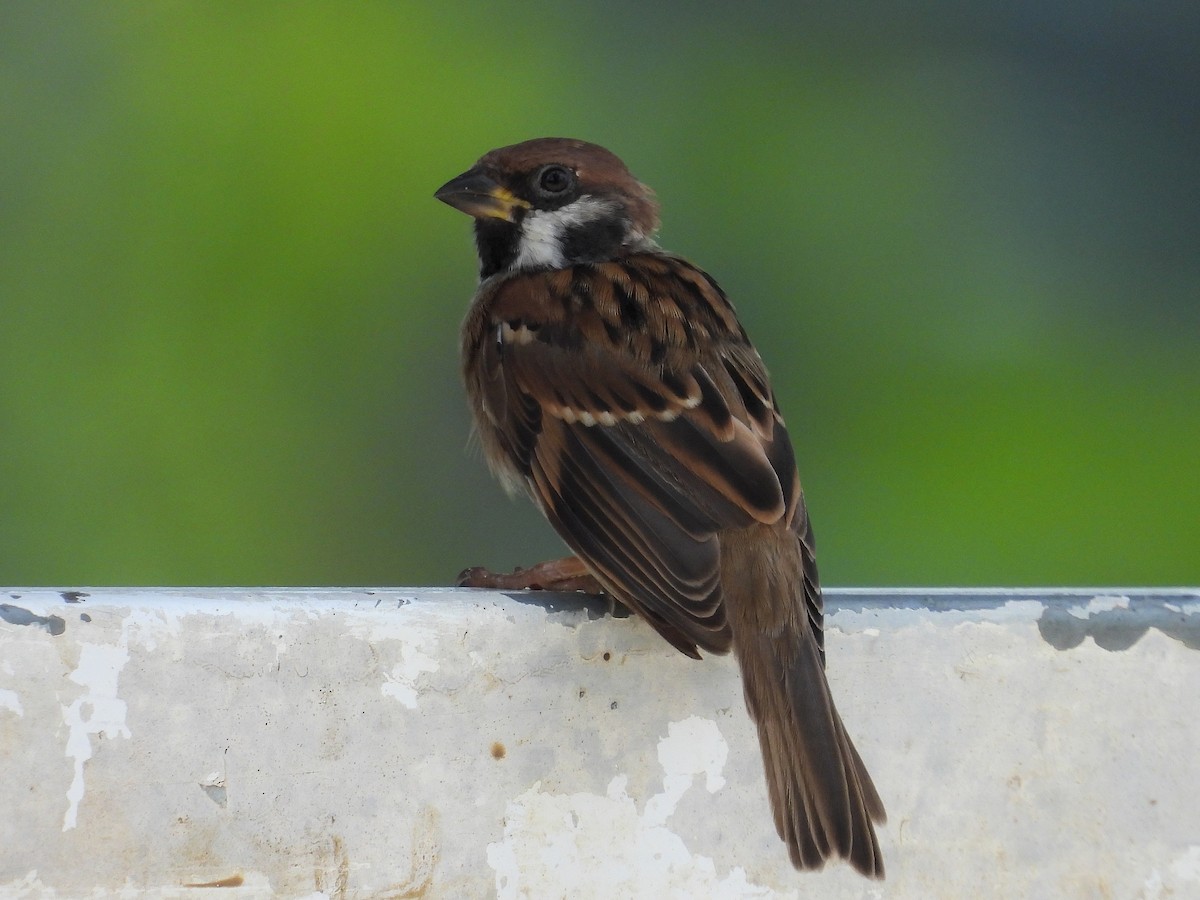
964 236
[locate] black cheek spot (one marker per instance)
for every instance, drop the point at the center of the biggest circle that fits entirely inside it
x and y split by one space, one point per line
595 240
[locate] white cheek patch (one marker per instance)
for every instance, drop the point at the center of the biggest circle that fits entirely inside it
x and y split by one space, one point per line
541 242
542 232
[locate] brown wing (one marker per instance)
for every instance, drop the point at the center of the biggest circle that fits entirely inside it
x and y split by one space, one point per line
627 397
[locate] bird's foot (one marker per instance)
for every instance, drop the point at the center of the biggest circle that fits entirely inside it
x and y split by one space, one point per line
567 574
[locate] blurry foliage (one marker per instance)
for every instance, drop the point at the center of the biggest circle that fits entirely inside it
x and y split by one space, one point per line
964 238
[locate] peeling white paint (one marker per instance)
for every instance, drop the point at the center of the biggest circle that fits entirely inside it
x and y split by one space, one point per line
401 683
885 619
692 747
98 710
1098 604
1182 878
215 789
10 701
146 627
1082 774
28 885
1187 866
1152 888
586 845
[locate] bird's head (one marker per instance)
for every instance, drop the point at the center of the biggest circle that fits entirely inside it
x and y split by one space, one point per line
550 203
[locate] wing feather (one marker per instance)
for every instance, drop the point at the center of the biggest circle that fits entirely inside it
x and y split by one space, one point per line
638 446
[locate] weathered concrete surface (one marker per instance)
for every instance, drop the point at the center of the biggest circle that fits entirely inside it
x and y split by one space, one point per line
450 743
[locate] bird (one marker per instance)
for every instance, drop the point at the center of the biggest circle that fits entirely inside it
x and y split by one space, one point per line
612 383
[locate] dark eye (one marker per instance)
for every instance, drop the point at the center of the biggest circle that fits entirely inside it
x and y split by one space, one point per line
554 181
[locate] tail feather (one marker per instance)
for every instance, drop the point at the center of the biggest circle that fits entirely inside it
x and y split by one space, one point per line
822 797
823 800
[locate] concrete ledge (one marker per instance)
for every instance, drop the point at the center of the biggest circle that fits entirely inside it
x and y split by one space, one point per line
452 743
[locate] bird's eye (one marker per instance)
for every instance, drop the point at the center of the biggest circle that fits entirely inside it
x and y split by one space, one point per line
554 181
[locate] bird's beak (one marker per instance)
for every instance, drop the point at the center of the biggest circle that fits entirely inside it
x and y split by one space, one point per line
480 196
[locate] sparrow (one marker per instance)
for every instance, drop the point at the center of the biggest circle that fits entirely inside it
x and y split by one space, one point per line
611 382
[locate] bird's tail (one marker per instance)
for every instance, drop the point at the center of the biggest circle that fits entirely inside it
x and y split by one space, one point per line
821 794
